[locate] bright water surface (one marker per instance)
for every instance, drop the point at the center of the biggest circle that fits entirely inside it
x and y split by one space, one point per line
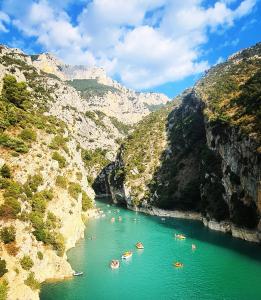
220 268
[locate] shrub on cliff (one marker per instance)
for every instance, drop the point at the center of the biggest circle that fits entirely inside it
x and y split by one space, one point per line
37 219
13 143
51 221
11 208
34 181
12 249
41 234
32 282
5 171
48 194
26 262
39 202
3 290
12 188
86 202
3 269
59 142
74 189
8 234
28 134
61 160
40 255
59 244
61 181
95 158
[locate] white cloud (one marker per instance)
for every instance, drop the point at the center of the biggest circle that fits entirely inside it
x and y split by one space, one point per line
244 8
145 42
147 58
4 19
54 31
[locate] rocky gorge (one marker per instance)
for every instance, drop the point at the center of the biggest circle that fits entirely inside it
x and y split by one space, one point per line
68 132
208 158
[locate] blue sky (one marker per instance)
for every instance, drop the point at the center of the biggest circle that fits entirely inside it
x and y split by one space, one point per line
152 45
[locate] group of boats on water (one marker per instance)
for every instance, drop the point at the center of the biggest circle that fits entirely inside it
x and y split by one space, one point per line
179 264
115 263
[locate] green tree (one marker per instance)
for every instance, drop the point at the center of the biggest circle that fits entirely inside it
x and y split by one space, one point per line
14 92
6 171
8 234
26 262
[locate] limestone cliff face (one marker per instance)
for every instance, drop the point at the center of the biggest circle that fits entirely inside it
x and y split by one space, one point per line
116 100
46 191
211 162
67 210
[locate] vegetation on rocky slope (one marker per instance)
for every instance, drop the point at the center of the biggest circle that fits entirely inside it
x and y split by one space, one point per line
140 154
90 87
23 129
232 92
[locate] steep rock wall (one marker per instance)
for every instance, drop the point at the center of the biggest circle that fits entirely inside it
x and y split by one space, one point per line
211 163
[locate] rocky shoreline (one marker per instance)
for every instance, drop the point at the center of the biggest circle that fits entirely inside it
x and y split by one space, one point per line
225 226
51 268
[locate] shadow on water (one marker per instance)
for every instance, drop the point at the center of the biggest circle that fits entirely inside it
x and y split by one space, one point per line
196 231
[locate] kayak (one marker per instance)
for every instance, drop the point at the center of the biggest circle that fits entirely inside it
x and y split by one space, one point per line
77 273
126 255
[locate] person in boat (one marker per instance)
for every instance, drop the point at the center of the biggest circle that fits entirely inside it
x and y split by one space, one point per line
139 245
126 255
77 273
180 236
115 264
112 220
193 246
178 264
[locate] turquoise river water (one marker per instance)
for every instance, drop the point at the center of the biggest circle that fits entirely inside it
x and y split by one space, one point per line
220 268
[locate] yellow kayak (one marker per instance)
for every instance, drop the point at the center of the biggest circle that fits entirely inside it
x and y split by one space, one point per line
178 264
126 255
180 236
